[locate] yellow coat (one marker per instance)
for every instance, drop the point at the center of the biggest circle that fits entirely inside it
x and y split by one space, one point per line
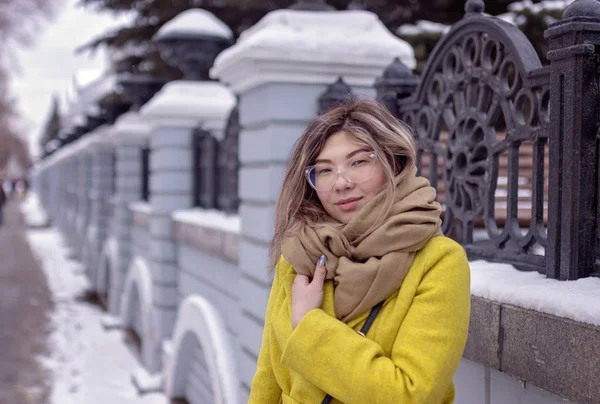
409 356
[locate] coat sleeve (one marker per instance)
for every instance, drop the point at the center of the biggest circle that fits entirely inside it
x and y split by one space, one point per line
265 389
425 353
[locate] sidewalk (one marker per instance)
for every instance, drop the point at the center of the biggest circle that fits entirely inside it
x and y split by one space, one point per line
86 363
25 306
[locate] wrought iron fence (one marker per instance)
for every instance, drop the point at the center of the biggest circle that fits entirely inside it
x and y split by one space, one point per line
216 166
113 173
228 165
145 163
519 185
333 95
205 169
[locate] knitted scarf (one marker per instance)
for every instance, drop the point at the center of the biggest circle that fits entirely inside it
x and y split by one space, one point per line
368 266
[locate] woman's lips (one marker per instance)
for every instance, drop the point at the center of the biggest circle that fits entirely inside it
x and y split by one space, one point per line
348 204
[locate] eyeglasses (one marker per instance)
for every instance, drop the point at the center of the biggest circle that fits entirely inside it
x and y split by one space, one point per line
359 168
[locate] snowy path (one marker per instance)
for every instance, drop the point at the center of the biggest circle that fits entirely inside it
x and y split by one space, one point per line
89 364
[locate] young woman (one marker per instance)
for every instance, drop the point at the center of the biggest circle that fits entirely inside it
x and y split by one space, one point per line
370 303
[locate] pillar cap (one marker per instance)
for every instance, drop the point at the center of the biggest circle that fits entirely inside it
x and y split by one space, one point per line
130 128
291 46
188 104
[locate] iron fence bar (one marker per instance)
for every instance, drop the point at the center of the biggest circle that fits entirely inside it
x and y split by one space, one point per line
228 165
205 173
145 163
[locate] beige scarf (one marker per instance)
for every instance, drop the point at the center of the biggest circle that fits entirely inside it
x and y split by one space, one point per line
368 267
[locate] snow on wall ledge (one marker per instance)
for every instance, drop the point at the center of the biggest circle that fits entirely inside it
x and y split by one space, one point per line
576 300
309 44
141 207
210 218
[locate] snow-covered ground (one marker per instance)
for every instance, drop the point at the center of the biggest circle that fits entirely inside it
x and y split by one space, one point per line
88 364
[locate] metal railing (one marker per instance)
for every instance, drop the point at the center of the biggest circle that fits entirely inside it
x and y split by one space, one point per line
519 184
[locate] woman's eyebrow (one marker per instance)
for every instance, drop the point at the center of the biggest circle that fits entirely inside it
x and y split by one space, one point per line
349 155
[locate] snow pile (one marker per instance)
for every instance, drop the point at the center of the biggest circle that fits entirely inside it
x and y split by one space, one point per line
65 280
422 27
87 363
541 8
520 12
576 300
35 215
141 206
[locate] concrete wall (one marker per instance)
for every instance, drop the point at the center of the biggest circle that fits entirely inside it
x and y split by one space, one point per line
476 383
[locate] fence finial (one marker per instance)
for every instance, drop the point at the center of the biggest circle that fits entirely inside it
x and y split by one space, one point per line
335 94
474 6
582 8
397 81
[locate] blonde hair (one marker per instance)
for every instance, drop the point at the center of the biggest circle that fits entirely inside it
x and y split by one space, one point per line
367 121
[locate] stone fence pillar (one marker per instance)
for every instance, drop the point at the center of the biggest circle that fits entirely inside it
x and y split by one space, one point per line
68 167
102 152
129 135
175 112
84 171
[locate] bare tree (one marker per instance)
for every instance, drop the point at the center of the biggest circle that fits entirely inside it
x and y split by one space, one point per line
19 20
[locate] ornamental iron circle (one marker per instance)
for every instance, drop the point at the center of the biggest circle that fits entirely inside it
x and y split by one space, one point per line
482 97
471 46
467 167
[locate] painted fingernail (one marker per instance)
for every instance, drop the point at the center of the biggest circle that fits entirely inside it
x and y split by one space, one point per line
322 261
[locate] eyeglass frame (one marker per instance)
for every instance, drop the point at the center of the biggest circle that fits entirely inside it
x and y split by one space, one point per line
338 172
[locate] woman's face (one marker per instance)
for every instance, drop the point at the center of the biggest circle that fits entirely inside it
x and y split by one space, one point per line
346 198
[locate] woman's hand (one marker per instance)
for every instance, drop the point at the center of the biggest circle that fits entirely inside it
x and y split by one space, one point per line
307 295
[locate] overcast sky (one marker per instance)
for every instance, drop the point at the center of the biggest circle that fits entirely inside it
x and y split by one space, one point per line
48 66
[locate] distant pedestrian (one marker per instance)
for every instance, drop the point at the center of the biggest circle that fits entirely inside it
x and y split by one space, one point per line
24 187
2 202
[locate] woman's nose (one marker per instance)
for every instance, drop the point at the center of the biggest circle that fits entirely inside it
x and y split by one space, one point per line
342 183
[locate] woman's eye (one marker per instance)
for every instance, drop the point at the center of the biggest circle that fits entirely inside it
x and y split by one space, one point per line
359 162
323 171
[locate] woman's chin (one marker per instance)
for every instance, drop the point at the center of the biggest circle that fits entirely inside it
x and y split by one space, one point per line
344 217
